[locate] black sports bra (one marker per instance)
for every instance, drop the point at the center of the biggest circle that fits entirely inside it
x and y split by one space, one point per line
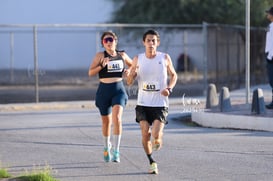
114 68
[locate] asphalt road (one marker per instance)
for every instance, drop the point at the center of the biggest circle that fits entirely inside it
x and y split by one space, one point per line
70 142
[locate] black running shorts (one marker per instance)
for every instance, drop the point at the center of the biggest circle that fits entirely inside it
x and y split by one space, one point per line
149 114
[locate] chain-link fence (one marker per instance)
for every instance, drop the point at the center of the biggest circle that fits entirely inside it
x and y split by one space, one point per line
50 62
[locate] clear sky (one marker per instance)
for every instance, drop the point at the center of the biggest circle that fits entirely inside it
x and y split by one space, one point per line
55 50
54 11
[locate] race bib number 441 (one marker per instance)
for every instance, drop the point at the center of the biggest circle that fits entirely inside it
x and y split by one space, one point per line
151 86
115 66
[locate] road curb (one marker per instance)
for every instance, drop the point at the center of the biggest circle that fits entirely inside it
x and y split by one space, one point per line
220 120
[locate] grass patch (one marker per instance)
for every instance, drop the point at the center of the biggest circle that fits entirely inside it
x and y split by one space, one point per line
37 174
4 172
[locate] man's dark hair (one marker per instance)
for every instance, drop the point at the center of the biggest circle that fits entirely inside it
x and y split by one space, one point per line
151 32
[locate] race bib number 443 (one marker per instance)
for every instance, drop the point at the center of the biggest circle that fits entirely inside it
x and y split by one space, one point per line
151 86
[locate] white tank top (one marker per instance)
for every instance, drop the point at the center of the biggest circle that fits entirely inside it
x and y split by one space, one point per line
152 79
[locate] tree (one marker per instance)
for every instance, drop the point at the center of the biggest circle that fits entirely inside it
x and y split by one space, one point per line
189 11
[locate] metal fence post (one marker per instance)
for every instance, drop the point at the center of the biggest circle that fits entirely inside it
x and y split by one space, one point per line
205 59
247 49
11 57
36 73
185 43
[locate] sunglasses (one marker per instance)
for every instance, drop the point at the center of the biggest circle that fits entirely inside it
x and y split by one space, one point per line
110 39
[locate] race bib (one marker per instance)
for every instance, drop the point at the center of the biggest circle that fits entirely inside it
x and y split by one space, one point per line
151 86
115 66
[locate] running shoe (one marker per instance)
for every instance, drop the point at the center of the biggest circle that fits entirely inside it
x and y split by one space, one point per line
156 145
153 168
116 157
107 154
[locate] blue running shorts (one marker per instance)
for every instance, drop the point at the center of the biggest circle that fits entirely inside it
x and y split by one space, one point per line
110 94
